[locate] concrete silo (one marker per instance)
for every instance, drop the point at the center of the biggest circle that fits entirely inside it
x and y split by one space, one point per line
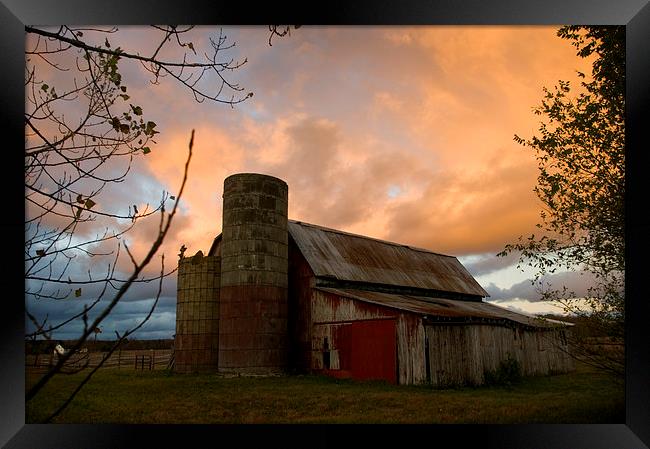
253 335
197 314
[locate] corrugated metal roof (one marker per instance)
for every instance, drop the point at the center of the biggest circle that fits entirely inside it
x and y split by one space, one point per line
439 307
351 257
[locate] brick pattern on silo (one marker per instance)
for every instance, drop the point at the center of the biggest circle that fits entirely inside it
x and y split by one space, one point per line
196 345
253 335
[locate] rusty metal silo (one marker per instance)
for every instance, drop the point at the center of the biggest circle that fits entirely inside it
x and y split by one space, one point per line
253 335
197 314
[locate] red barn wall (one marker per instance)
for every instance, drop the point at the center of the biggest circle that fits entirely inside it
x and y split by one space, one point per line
301 282
366 341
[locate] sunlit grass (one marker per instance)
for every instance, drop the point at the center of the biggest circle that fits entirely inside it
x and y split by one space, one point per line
128 396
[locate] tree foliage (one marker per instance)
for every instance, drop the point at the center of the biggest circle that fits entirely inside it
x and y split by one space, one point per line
580 151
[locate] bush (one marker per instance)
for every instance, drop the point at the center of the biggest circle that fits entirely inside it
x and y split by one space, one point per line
508 373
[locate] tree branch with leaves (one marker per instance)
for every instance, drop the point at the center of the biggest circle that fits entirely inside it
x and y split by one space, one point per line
83 131
163 228
84 128
580 151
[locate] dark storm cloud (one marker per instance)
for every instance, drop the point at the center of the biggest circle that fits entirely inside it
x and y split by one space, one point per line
126 315
577 282
488 263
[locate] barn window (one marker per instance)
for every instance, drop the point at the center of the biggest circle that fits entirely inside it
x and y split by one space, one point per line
326 354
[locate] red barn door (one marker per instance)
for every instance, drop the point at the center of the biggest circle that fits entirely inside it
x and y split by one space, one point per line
373 350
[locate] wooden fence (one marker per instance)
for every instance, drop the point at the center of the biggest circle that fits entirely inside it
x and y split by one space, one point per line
146 358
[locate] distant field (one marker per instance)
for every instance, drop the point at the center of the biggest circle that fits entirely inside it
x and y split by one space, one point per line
129 396
119 359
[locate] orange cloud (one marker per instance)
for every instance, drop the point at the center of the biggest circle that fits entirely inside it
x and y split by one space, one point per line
468 212
400 133
405 134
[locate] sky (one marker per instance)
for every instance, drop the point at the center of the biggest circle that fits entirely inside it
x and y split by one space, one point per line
398 133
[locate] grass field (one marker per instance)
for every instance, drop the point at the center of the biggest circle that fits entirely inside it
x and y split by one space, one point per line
128 396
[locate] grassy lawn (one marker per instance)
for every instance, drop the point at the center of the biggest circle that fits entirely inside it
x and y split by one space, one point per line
128 396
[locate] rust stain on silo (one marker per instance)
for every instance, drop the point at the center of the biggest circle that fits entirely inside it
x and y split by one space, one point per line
254 263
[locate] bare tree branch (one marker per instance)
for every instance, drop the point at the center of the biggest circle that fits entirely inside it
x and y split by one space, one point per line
162 232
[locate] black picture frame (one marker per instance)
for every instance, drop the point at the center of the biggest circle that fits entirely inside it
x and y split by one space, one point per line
634 14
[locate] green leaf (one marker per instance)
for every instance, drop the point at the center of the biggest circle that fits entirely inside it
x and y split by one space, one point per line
45 87
137 110
146 150
149 129
78 214
124 128
123 88
124 97
89 203
80 199
77 292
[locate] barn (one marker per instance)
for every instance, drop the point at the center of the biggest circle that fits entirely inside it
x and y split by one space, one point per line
277 295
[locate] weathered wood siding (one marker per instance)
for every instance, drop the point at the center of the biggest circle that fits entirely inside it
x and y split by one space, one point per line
410 349
457 353
331 313
331 332
328 308
462 353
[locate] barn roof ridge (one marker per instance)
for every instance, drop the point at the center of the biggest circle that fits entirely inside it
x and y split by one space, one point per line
351 234
353 257
376 261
